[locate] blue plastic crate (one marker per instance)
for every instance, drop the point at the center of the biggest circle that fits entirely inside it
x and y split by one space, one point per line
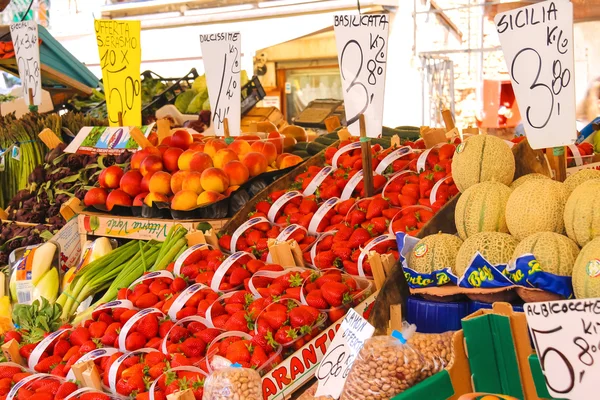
436 317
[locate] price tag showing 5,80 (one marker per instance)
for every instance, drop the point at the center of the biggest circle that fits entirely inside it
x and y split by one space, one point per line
221 53
566 335
120 58
27 53
341 353
361 42
537 42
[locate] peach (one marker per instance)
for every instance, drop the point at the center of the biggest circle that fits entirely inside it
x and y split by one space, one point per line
185 159
177 180
237 172
166 141
160 183
117 198
266 148
153 138
139 156
280 158
248 137
198 146
131 182
209 197
163 148
151 164
171 158
277 140
95 197
256 163
290 161
200 162
153 197
184 200
230 190
181 138
241 147
139 199
215 179
223 156
145 185
213 145
193 182
110 177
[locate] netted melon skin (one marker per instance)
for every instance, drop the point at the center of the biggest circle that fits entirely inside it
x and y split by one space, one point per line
582 212
434 252
580 177
481 208
555 253
526 178
482 158
496 247
536 206
586 271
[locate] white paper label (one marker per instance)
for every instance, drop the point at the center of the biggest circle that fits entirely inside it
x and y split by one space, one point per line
567 340
287 232
183 298
393 156
537 41
280 202
317 180
364 252
343 150
351 185
242 228
220 273
221 54
361 42
27 53
131 321
341 353
15 153
181 259
320 214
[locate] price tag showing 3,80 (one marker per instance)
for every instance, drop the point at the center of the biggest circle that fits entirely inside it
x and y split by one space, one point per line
566 335
341 353
221 53
27 52
361 42
537 42
120 58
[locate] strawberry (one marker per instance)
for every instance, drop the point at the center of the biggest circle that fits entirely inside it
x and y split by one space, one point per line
5 384
299 317
41 396
308 205
342 251
135 341
237 322
274 318
10 335
315 299
359 238
259 357
325 259
97 329
336 314
355 217
47 364
61 347
193 347
208 334
336 293
164 327
148 326
146 300
379 225
238 351
285 335
79 336
24 394
376 207
238 275
21 375
8 372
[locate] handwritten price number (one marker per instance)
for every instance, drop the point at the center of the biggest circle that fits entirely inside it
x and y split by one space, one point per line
333 364
561 78
221 114
132 86
374 67
544 353
28 67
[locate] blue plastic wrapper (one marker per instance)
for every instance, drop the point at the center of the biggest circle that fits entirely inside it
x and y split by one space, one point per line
482 274
417 280
526 271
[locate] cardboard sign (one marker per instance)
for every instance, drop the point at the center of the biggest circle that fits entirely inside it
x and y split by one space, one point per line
361 42
221 53
27 53
566 335
537 42
341 353
105 140
120 53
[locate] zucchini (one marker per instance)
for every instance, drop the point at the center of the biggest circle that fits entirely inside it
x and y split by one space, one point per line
331 135
408 128
384 142
300 146
314 147
412 135
301 153
326 141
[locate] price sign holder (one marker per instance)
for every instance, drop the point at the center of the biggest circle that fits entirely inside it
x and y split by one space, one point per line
25 38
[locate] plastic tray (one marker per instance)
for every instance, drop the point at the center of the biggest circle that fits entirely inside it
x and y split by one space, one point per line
436 317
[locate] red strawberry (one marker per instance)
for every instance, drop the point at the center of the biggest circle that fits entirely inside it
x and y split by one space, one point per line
97 329
146 300
193 347
275 318
61 347
286 335
259 357
336 313
41 396
325 259
208 334
315 299
135 341
24 394
336 293
64 390
164 327
359 238
238 351
299 317
79 336
46 364
8 372
376 207
148 326
8 336
238 275
237 322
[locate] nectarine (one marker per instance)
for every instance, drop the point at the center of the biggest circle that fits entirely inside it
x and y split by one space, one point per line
223 156
95 197
160 183
117 198
155 198
214 179
139 199
181 138
241 147
237 172
151 164
267 149
193 182
145 185
110 177
138 157
184 200
213 145
256 163
208 197
171 158
177 180
290 161
131 182
185 159
201 161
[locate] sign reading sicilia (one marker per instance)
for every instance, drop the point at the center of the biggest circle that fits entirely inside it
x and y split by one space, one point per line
120 53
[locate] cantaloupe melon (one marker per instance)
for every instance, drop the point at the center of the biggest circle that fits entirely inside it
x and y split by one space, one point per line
579 177
582 212
586 272
555 253
526 178
481 209
496 247
434 252
482 158
536 206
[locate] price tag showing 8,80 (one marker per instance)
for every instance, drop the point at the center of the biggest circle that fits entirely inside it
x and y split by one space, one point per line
120 58
27 52
566 335
361 42
537 42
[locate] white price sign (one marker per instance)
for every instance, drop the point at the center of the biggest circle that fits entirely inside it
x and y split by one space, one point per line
566 335
221 53
361 42
341 353
537 42
27 52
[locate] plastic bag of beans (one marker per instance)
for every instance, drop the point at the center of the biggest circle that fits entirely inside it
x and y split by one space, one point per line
385 367
233 383
436 348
